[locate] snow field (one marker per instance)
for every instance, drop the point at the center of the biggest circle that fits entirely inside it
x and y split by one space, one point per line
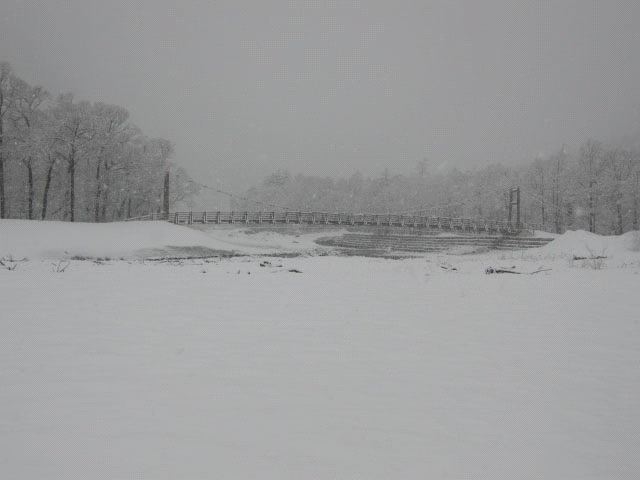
354 368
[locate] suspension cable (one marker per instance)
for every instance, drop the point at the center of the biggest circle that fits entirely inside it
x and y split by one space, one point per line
232 195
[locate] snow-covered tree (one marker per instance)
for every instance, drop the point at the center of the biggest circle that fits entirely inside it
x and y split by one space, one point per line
78 160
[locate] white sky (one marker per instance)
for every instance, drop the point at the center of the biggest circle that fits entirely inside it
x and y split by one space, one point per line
330 87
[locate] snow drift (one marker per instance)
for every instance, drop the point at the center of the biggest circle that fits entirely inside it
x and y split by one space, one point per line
42 239
585 244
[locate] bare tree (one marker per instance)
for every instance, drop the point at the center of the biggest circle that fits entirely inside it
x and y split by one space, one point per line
590 160
27 122
74 131
111 169
111 133
7 82
635 189
558 162
536 180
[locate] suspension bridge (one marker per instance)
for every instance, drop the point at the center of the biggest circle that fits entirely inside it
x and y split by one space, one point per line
378 233
415 219
421 222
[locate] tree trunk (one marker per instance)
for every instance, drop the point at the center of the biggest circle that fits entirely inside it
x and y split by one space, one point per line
636 202
120 211
72 186
106 189
542 212
2 197
166 194
105 203
2 194
569 215
96 217
592 213
556 201
619 226
47 185
31 191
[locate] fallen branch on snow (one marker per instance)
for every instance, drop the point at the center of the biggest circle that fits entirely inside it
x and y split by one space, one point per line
448 268
596 257
10 265
491 270
60 266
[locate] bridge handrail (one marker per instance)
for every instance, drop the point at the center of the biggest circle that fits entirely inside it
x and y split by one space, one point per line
336 218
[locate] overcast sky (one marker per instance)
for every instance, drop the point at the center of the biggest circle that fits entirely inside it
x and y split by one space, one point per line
330 87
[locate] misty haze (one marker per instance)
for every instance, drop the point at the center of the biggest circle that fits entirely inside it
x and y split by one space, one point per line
319 239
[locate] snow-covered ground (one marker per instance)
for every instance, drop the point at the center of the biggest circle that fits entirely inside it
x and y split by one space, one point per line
32 239
343 368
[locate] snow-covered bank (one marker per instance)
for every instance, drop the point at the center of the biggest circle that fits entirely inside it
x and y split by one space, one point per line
263 240
586 244
132 240
354 368
37 239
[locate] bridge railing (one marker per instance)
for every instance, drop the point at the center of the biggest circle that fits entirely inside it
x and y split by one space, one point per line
453 224
150 217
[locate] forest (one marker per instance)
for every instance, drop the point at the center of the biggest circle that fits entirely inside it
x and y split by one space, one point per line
74 160
65 159
596 187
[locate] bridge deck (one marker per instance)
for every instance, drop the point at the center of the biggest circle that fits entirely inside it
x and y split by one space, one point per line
336 219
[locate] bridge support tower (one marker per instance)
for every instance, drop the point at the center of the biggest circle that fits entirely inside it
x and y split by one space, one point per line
514 201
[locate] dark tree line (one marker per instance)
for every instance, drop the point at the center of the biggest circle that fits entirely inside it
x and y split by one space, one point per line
65 159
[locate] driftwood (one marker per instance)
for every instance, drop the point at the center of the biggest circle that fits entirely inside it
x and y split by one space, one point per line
11 263
60 266
8 264
596 257
449 268
491 270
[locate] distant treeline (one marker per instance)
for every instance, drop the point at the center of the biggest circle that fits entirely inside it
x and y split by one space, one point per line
596 188
76 160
